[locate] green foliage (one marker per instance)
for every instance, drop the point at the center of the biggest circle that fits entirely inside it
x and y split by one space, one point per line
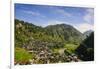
57 33
70 47
86 48
63 32
22 56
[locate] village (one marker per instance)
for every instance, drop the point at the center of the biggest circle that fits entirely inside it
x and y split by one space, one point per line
44 55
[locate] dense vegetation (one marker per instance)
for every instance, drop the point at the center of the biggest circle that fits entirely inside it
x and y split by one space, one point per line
86 48
51 44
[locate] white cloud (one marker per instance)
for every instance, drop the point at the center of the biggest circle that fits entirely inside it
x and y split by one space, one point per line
34 13
60 12
63 12
84 27
31 12
89 17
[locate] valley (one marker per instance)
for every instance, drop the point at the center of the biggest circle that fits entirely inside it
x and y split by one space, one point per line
58 43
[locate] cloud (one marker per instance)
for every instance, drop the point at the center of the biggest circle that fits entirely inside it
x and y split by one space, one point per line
84 27
63 12
33 13
60 11
89 21
89 17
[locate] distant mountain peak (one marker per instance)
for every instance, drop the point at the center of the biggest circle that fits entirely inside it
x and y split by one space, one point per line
87 33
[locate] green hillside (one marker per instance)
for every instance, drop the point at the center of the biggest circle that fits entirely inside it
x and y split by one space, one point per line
51 44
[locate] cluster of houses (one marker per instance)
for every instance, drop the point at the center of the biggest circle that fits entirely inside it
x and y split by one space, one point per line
44 55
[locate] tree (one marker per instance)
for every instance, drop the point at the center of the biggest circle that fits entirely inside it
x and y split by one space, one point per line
86 49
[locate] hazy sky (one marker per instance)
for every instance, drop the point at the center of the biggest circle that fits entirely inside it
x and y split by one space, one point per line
43 15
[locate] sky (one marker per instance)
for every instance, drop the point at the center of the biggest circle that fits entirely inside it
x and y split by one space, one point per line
81 18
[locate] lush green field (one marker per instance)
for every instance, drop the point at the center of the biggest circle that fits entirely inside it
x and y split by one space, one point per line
71 47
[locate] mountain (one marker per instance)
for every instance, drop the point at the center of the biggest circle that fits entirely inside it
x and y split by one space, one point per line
25 32
87 33
52 43
64 32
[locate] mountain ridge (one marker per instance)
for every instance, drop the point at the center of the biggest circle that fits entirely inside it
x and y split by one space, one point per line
58 32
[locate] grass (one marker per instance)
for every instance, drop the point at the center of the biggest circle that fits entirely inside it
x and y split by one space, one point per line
68 47
71 47
22 56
